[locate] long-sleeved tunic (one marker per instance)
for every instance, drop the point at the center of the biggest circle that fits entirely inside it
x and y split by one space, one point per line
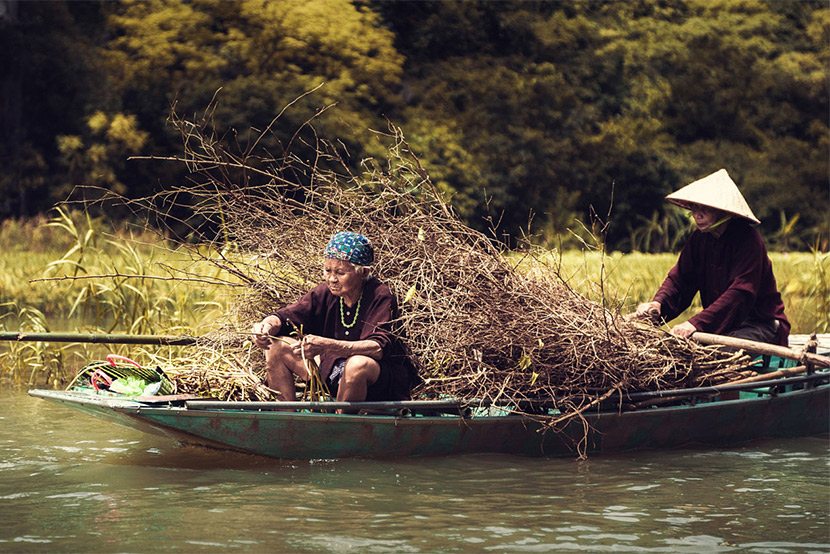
733 274
318 313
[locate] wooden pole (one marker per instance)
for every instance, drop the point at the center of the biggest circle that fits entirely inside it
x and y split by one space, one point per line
761 348
767 380
783 372
160 340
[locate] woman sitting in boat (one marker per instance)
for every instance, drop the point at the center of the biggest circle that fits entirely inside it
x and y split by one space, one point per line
346 321
724 259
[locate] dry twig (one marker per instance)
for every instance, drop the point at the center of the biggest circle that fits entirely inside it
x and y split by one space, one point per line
477 326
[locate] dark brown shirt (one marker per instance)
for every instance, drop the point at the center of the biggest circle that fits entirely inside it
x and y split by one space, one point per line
318 313
733 274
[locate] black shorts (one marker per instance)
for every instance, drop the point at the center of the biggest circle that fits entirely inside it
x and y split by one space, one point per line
756 330
378 391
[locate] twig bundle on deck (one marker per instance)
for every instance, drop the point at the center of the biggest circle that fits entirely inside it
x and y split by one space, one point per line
478 326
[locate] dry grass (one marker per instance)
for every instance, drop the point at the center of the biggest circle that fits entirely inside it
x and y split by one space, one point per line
476 326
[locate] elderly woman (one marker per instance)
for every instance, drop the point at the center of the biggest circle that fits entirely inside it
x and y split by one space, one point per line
725 260
347 322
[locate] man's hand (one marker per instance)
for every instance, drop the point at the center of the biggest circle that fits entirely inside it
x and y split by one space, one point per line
684 330
648 310
262 329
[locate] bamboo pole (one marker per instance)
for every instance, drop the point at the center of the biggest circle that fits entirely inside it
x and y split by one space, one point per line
780 377
761 348
394 405
160 340
783 372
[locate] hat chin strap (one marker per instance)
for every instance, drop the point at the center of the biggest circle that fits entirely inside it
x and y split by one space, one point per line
716 225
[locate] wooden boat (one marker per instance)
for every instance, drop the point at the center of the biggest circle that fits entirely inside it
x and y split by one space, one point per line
779 407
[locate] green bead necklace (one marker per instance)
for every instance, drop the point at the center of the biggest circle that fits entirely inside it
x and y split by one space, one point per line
356 313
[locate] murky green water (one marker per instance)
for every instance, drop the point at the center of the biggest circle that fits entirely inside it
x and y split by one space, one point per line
72 483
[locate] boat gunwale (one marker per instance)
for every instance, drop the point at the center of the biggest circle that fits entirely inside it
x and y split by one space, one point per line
462 404
246 410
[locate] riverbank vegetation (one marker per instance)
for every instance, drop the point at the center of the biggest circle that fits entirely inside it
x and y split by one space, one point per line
30 300
71 272
171 291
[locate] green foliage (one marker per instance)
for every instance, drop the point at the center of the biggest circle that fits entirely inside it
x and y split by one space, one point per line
48 71
805 287
84 271
29 363
659 233
735 85
105 280
98 158
634 99
263 55
521 111
86 275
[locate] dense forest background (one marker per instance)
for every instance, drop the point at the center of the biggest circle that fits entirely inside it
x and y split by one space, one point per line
545 111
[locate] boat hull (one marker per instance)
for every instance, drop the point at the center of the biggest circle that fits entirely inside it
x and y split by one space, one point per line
307 435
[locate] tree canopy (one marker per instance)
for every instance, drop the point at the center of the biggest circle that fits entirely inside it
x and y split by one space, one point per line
545 111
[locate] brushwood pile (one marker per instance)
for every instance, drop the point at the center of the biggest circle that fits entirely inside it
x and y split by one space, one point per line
480 323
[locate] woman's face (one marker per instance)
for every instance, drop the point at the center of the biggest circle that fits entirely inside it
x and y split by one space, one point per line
704 216
342 278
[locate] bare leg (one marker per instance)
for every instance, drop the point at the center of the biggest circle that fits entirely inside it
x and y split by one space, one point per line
282 364
359 373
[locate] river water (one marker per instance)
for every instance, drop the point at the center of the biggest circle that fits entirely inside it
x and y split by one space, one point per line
72 483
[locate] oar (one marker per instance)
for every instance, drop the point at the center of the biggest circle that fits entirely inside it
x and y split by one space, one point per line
160 340
762 348
790 376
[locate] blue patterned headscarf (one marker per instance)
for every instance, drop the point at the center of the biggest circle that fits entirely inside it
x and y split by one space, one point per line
349 246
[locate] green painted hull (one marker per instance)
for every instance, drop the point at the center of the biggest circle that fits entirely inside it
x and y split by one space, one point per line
305 435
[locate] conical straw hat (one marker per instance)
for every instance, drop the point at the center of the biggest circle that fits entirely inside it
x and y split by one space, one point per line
717 191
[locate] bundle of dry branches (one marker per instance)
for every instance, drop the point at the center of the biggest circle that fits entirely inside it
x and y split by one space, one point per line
477 325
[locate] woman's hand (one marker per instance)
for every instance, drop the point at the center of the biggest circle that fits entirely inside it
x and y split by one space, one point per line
648 310
684 330
263 329
311 345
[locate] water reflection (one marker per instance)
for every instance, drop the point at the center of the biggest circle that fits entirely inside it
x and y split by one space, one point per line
71 483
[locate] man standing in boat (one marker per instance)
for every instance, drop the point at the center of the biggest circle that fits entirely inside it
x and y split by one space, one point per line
724 259
346 323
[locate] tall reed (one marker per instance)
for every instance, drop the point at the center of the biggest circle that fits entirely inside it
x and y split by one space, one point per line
83 274
105 280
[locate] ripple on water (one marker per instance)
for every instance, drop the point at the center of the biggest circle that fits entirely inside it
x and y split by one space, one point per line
797 546
501 531
707 542
576 529
32 539
340 543
611 536
80 495
750 455
15 496
680 520
639 488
